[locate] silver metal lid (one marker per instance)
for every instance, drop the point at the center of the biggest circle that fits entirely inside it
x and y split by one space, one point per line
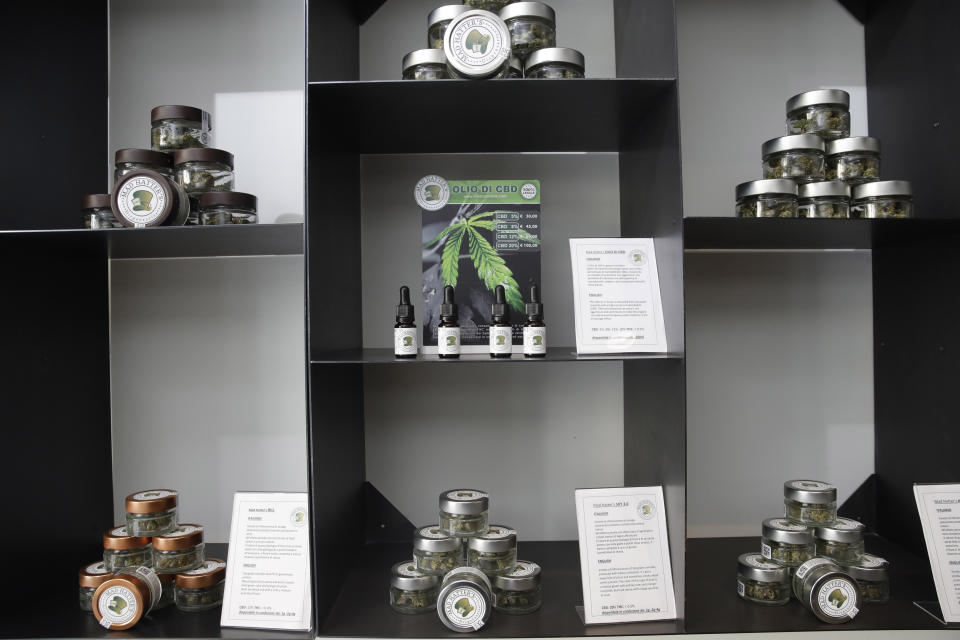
856 144
782 530
432 538
883 188
810 491
827 189
563 55
843 530
754 566
525 576
405 575
528 10
497 539
833 597
477 44
766 187
446 12
464 502
820 96
802 142
423 56
465 601
870 567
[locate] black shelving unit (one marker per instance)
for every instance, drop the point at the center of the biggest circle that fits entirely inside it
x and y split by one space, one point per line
554 354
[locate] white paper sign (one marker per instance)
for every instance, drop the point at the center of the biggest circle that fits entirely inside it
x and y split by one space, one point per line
939 506
616 296
268 566
624 555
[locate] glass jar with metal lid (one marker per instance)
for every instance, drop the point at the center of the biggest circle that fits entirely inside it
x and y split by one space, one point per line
202 170
435 552
92 576
841 541
825 112
438 20
518 592
493 552
787 543
168 586
425 64
121 550
466 600
123 600
883 199
179 550
514 67
799 158
826 591
152 513
176 126
762 581
854 160
411 590
830 199
200 589
227 207
487 5
145 198
477 46
810 502
97 212
554 62
463 512
767 199
130 160
532 25
872 577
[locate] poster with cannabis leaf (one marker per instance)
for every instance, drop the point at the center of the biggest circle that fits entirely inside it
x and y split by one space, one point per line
485 233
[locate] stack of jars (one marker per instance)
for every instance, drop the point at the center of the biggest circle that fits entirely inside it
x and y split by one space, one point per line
180 180
486 39
464 568
818 171
150 562
814 555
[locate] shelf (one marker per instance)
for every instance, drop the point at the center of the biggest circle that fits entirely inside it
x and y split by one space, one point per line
162 242
775 234
714 607
554 354
405 116
363 609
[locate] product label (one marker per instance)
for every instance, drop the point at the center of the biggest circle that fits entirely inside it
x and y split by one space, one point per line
766 551
448 341
141 201
535 340
405 341
872 562
431 193
786 525
837 598
117 606
465 607
466 495
433 532
95 569
810 485
741 589
846 524
154 494
501 340
498 533
206 567
759 560
477 44
153 583
805 568
119 532
408 570
523 569
182 530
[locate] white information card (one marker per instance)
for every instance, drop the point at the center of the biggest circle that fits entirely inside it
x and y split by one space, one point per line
268 566
624 555
616 296
939 506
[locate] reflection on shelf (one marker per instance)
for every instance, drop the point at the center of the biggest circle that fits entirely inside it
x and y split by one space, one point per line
554 354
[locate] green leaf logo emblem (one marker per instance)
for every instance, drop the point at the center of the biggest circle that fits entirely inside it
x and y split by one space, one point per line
407 341
538 341
477 42
118 605
432 192
463 607
451 341
837 598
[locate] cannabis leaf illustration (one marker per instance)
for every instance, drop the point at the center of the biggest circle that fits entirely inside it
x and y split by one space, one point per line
491 268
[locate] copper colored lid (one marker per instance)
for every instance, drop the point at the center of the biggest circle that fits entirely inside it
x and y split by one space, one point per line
183 537
213 571
125 587
203 154
118 538
152 501
94 574
95 201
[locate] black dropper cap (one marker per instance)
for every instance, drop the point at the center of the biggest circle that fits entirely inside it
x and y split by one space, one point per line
448 310
404 309
499 311
534 307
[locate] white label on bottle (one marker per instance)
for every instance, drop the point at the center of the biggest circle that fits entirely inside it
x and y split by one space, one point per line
117 606
448 341
433 532
534 341
141 201
838 598
501 340
740 588
810 564
405 341
465 607
766 551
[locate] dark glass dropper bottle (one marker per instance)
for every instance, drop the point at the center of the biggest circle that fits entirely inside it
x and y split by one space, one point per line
533 341
401 346
500 317
449 320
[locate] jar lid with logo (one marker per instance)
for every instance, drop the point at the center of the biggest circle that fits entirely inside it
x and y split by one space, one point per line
405 575
142 156
855 144
809 491
477 44
525 576
423 56
826 591
820 96
825 189
211 572
754 566
782 530
776 186
145 198
446 12
563 55
229 199
432 538
800 142
95 201
466 600
94 574
528 10
180 112
883 189
497 539
203 154
119 539
184 536
151 501
464 502
120 602
843 530
870 568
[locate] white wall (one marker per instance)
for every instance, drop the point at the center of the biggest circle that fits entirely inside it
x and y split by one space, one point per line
779 345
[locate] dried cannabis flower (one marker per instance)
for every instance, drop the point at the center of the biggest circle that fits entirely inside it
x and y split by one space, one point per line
825 113
494 6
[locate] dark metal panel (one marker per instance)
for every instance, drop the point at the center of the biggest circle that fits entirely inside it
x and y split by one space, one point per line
333 40
857 8
862 504
646 38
